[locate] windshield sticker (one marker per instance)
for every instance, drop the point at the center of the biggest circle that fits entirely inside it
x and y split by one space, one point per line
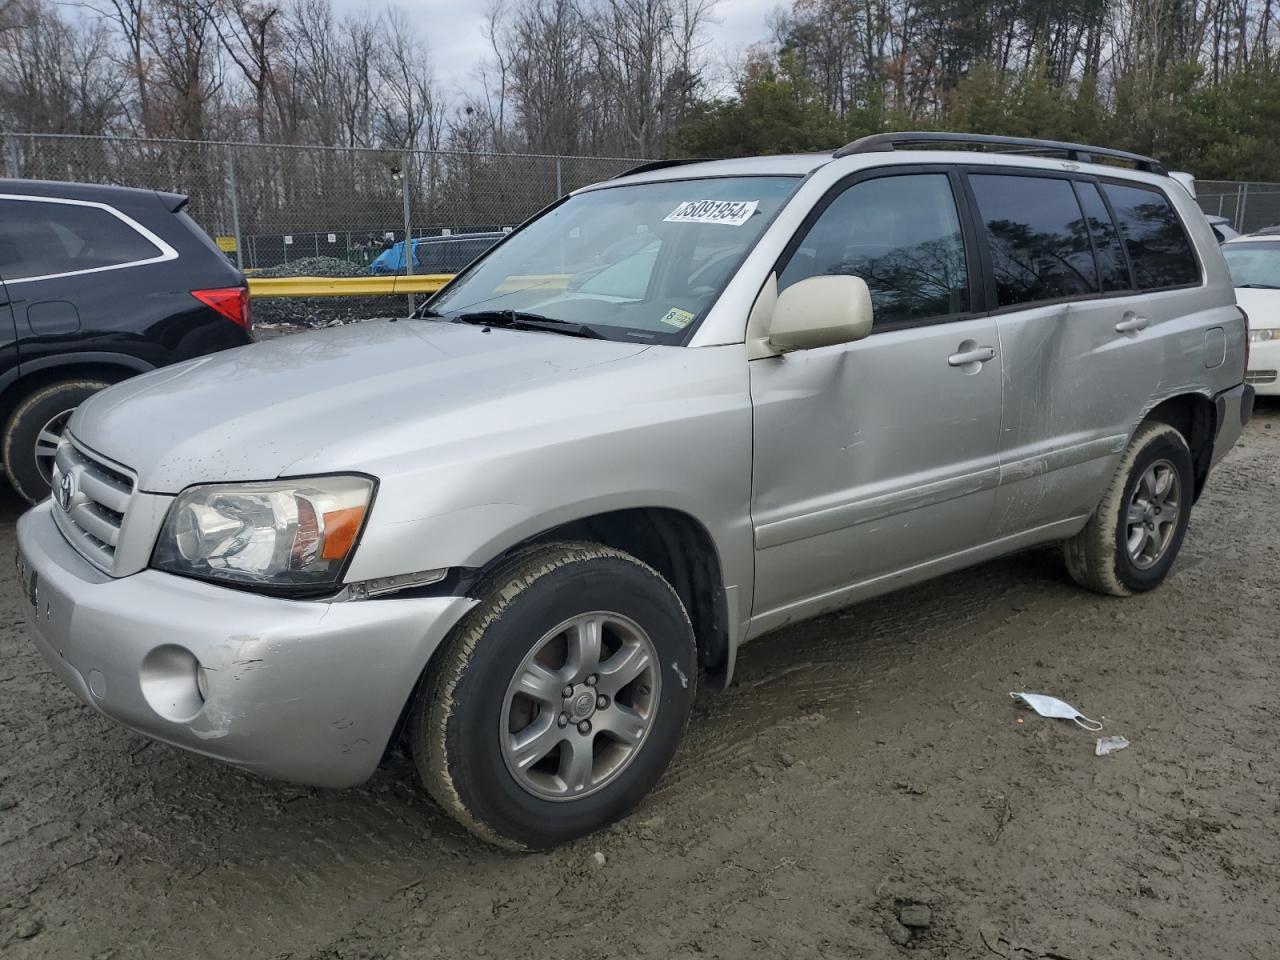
730 213
677 318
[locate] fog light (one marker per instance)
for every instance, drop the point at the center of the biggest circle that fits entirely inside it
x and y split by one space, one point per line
202 682
170 681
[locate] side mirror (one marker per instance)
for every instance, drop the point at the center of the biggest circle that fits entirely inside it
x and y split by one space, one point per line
819 312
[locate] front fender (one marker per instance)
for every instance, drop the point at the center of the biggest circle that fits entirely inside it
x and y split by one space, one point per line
673 432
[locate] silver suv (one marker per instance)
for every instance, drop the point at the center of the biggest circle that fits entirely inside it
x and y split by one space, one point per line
670 414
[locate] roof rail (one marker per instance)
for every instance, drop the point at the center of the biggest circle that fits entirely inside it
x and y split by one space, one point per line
1079 152
656 165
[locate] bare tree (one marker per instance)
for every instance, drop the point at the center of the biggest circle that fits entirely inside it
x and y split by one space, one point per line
250 34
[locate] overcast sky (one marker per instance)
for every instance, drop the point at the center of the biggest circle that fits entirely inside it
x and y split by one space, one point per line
455 31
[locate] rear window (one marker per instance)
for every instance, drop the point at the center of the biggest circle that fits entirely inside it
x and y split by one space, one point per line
1159 251
1039 242
41 238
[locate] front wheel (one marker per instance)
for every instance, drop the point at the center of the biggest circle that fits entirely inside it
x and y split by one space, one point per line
1133 537
560 699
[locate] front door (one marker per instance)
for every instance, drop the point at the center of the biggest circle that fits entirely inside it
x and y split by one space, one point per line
874 457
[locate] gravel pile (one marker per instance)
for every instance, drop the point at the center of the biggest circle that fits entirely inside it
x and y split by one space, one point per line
321 311
314 267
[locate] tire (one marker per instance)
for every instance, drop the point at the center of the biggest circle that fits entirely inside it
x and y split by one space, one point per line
1100 557
45 411
470 711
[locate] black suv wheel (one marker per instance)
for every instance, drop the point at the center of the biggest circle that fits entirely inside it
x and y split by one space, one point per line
33 431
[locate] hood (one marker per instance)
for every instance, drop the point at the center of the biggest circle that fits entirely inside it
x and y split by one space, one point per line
252 412
1262 306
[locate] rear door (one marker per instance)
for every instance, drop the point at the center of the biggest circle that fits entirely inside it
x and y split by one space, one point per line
876 456
63 264
8 332
1082 332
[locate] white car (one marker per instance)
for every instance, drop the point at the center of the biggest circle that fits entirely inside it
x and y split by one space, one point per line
1255 270
1222 228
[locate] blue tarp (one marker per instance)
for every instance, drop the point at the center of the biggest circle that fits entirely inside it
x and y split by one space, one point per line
435 254
391 260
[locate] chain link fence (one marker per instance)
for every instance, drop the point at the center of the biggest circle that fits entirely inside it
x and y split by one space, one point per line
271 206
286 210
1247 206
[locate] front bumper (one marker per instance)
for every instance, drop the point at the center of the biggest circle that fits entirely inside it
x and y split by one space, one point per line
299 690
1264 367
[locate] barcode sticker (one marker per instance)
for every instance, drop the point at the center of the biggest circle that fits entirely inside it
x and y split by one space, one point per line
730 213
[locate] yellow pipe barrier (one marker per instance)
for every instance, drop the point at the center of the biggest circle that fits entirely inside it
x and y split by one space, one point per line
265 287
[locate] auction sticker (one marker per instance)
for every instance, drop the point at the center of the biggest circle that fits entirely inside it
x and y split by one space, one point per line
730 213
677 318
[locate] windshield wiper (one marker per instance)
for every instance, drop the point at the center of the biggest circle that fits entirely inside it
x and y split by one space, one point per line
519 320
1258 286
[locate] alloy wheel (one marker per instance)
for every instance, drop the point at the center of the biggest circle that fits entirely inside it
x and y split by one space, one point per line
1152 516
580 706
47 441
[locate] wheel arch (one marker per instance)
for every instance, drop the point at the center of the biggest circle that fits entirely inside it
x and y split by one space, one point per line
1195 416
30 377
674 543
681 549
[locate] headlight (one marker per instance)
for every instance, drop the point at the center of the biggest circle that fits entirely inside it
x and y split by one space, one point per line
1266 333
285 536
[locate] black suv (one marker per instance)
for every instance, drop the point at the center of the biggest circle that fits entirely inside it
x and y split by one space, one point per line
98 284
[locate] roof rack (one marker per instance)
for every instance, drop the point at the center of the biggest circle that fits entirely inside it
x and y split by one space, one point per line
1079 152
656 165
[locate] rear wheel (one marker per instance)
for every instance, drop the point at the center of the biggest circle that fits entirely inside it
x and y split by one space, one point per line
1133 537
559 700
33 431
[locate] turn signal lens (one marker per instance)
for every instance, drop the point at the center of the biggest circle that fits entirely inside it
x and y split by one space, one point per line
340 529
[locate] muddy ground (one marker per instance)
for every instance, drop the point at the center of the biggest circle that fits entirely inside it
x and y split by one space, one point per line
860 762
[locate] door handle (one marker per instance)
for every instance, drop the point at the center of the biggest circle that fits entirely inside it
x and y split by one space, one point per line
971 355
1132 323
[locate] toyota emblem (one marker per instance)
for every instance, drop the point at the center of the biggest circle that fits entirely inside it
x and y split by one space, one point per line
66 490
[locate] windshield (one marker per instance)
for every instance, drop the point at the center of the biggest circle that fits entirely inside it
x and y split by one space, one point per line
643 261
1254 263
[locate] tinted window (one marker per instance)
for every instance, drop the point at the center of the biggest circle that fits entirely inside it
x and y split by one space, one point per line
1039 243
38 239
1112 269
899 234
1158 247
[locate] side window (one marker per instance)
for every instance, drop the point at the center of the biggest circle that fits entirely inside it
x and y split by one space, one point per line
900 234
40 239
1112 269
1158 247
1039 243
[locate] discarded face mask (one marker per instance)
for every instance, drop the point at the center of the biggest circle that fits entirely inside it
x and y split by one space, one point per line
1057 709
1109 745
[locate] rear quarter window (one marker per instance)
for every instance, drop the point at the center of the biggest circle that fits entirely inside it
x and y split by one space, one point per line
43 238
1159 250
